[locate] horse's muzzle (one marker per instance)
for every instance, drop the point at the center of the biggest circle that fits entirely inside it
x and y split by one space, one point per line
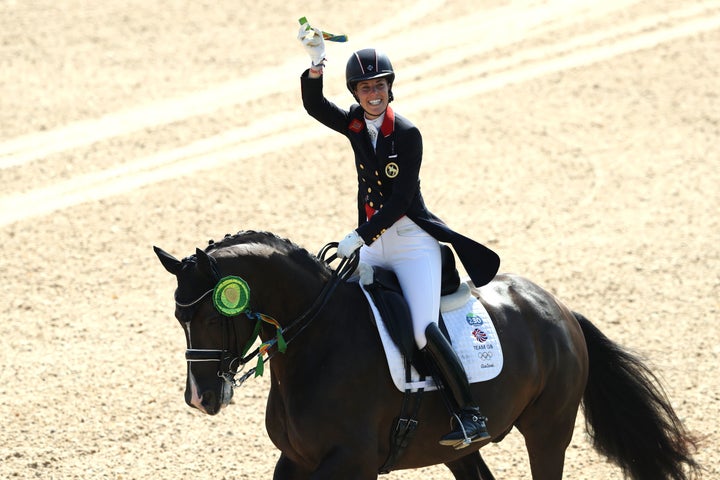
209 400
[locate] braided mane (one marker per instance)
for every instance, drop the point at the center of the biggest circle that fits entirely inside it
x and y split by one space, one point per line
282 245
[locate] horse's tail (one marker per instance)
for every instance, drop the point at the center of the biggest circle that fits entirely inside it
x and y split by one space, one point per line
628 416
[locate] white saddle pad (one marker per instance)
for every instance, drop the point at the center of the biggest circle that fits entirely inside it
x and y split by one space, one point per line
473 337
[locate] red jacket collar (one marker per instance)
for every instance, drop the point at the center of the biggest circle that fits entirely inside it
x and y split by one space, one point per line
388 125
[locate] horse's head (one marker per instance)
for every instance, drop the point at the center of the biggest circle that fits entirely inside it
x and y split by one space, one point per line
220 319
206 389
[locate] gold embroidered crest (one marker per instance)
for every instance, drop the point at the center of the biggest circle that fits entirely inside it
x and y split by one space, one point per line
392 170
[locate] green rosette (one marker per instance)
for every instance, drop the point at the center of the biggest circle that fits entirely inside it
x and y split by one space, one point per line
231 296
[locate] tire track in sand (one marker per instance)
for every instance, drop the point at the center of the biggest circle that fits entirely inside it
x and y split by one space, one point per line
264 135
27 148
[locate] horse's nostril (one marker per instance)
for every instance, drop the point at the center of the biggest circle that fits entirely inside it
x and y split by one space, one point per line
210 403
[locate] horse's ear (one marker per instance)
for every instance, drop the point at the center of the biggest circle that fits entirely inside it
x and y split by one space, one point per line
206 264
171 264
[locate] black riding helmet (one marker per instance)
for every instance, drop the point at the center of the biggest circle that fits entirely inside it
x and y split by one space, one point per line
367 64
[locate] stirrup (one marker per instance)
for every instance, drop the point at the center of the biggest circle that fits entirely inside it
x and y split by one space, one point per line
480 434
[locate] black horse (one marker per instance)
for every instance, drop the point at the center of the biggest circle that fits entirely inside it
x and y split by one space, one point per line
332 402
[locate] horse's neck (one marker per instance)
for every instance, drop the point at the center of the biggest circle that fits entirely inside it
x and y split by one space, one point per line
281 289
339 331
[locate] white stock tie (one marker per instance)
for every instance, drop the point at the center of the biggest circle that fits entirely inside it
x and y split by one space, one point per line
372 130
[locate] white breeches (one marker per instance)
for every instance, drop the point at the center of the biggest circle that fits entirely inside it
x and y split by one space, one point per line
414 256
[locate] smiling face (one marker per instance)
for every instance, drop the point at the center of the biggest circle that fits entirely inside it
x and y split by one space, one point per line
373 96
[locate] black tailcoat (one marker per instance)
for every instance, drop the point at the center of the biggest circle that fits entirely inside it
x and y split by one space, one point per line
388 178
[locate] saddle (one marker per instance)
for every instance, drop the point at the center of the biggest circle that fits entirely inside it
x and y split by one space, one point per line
384 288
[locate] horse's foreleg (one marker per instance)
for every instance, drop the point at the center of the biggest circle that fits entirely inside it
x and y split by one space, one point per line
341 463
286 469
470 467
332 468
347 464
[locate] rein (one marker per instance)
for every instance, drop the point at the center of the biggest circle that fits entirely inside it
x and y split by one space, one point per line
228 358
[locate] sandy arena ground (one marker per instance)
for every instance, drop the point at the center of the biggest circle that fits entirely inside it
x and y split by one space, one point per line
580 140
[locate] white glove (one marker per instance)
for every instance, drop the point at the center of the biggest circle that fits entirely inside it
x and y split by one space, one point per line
349 244
312 40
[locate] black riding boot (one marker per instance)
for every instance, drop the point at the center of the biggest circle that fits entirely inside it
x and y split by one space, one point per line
470 424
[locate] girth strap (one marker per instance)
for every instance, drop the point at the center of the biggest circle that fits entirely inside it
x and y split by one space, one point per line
405 425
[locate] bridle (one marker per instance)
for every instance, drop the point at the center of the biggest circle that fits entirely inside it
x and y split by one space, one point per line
232 359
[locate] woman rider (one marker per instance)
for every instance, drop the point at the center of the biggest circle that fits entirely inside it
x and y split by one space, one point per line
395 229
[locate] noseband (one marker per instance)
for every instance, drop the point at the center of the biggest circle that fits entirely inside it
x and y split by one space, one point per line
229 357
